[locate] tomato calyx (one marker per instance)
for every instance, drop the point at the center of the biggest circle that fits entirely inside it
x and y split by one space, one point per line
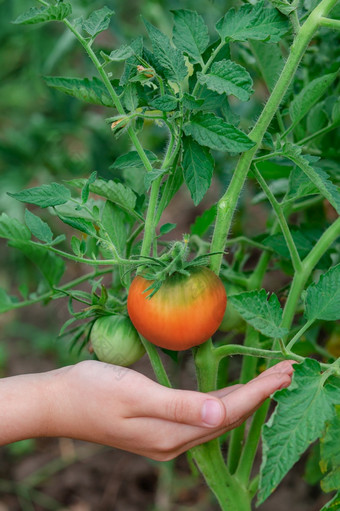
173 261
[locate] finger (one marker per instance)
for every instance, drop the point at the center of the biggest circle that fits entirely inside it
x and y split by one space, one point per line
286 366
225 391
245 400
181 406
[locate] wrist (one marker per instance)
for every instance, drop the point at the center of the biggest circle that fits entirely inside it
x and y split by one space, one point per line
29 405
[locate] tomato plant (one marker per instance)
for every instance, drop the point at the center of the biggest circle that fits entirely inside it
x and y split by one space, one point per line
114 340
251 107
185 312
232 319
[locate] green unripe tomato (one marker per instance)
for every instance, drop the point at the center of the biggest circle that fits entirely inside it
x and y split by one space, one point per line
116 341
232 319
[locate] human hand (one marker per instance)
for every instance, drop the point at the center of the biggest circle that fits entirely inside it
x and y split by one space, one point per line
116 406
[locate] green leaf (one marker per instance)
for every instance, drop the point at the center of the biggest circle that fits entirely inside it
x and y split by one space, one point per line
283 6
300 185
192 103
269 60
309 95
165 103
86 188
78 247
38 227
6 302
334 504
336 113
115 192
114 223
98 21
122 53
212 131
44 196
12 229
227 77
318 176
278 243
198 167
132 159
92 91
190 33
330 445
263 314
80 224
42 14
317 118
323 298
165 228
298 420
313 474
152 175
204 221
130 68
330 454
51 266
253 22
135 179
170 58
130 97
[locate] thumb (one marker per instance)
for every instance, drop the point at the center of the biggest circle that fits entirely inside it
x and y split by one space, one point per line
189 407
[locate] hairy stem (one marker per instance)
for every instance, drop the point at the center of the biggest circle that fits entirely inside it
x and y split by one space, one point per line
112 92
227 204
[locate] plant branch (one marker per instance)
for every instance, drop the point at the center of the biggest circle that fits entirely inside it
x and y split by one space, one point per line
111 91
156 363
316 134
282 220
227 204
53 295
90 262
308 264
299 334
229 350
329 23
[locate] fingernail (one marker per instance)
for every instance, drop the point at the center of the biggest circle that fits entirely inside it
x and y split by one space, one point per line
211 413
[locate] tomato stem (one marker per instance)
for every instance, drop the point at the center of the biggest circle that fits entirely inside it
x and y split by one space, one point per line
156 363
228 202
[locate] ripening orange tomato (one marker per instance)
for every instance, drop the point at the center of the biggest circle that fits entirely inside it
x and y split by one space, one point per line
183 313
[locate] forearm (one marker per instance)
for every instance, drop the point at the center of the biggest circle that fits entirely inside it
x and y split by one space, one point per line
25 404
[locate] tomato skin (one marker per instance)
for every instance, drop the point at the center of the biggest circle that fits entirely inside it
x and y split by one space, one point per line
115 340
183 313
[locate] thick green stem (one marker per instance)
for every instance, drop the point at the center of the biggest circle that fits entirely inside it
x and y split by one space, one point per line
249 450
230 495
227 204
149 231
247 373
